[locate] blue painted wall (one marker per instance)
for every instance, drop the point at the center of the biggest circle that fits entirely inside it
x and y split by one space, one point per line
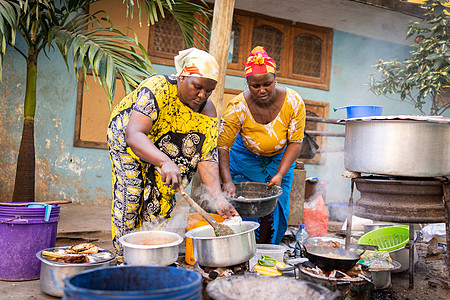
83 174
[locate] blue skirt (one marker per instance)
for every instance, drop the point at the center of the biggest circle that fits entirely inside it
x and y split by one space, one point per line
247 166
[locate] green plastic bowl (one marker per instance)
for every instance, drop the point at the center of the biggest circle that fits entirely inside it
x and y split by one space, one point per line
387 238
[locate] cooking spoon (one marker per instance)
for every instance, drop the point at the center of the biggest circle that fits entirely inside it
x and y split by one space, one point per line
219 229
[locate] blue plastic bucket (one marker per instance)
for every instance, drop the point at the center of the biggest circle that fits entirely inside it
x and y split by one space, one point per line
134 282
360 111
24 232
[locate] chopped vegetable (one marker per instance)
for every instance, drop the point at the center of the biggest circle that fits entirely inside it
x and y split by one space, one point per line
269 271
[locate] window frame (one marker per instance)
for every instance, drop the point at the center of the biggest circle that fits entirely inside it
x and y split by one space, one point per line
248 21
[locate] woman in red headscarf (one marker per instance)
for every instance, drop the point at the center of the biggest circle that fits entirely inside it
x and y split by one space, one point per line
260 137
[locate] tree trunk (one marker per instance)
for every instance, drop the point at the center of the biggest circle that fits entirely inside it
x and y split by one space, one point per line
25 172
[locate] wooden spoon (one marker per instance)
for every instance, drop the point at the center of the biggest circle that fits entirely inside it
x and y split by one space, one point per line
219 229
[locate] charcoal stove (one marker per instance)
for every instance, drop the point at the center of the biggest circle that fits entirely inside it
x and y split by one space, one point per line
353 284
212 273
400 199
403 200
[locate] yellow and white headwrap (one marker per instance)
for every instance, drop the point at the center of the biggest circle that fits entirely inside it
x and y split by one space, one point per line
196 62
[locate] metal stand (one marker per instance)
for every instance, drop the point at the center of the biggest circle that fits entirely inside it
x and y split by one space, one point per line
410 244
349 218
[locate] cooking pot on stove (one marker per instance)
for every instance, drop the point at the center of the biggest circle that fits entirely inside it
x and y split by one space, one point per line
329 258
150 247
398 145
224 251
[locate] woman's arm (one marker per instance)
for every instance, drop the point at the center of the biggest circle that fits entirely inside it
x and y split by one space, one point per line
209 172
136 137
290 155
224 166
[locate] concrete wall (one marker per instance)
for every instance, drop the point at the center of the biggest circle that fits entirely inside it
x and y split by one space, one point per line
83 174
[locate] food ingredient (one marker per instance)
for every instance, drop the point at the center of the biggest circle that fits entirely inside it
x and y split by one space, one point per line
84 248
269 271
333 244
267 265
376 260
70 258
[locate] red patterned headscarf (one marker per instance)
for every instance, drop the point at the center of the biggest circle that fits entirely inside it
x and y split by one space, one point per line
259 62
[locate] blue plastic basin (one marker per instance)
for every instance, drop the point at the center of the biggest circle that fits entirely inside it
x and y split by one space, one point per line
360 111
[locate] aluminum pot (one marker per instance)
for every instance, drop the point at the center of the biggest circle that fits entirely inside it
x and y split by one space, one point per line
224 251
54 273
150 248
398 146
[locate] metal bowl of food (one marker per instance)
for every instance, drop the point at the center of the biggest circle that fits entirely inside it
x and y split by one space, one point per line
222 251
54 271
150 248
254 199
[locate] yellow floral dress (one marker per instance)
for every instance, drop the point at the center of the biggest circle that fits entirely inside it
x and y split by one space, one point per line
187 137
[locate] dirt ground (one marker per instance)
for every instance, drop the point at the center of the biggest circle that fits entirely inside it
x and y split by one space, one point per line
431 279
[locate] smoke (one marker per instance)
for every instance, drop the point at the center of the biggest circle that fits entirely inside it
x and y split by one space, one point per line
207 198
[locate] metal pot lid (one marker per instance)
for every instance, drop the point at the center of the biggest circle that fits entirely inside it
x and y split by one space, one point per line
431 119
102 256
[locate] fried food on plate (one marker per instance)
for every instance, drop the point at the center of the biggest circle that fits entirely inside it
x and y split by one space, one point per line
85 248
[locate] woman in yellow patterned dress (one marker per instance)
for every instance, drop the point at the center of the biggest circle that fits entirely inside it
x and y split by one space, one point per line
260 137
157 137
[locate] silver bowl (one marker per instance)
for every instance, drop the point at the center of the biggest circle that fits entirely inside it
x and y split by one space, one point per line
54 273
150 248
224 251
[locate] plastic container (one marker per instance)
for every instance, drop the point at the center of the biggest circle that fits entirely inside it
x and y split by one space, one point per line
360 111
24 232
194 221
134 282
387 238
275 251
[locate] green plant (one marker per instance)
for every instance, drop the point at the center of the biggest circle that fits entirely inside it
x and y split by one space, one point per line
95 45
425 74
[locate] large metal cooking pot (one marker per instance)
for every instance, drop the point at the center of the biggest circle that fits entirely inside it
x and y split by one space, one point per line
224 251
398 146
150 248
255 199
54 273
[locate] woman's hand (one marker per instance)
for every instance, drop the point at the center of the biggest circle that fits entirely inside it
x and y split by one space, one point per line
229 189
224 208
275 180
171 175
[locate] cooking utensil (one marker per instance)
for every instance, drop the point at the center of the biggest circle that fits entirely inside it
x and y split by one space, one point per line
150 248
53 273
398 146
329 258
255 200
27 203
219 228
224 251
